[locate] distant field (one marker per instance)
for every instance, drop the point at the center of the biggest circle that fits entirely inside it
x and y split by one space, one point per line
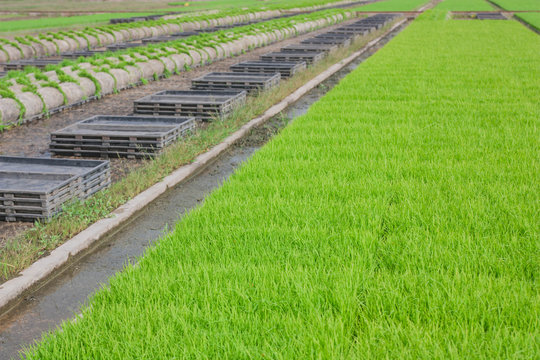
465 5
518 4
79 5
532 18
393 5
273 4
60 22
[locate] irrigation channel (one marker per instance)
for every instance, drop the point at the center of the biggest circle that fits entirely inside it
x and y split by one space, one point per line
60 297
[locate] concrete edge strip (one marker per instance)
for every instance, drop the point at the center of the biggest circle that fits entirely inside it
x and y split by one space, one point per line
42 268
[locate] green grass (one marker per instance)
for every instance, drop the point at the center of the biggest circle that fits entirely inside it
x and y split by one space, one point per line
393 5
465 5
61 22
518 4
397 219
531 18
523 5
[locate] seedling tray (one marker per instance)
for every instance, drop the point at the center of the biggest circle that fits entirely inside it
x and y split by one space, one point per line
337 41
296 48
333 35
308 57
36 188
286 69
120 135
236 81
358 32
199 103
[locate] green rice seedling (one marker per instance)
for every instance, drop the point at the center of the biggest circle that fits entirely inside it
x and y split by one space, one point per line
532 18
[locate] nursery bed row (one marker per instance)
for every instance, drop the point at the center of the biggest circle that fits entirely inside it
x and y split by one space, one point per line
54 43
391 221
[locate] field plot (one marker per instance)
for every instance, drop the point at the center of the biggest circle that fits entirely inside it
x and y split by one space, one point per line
396 219
518 4
27 25
465 5
393 5
532 18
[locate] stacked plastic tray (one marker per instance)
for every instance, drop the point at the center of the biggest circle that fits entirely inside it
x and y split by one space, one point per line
286 69
308 57
119 136
37 188
251 82
202 104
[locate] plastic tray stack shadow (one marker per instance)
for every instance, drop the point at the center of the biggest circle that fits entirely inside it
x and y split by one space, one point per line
308 57
286 69
251 82
120 136
37 188
202 104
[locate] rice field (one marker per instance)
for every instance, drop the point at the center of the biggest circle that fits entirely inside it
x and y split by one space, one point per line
393 5
398 218
518 4
44 23
465 5
532 18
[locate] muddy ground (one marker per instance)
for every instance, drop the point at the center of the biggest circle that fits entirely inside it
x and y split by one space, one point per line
32 139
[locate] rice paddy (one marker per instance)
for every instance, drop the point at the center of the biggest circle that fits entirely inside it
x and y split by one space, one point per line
465 5
532 18
398 218
393 5
61 22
